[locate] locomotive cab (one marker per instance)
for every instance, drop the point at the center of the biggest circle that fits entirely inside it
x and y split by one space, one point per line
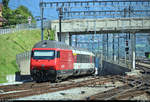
43 64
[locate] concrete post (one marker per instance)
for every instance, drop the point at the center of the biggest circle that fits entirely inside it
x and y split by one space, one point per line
130 52
103 48
118 49
42 28
60 27
125 50
107 46
70 40
65 38
113 47
133 47
76 40
56 36
101 62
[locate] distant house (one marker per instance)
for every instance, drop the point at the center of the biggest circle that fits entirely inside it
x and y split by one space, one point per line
1 18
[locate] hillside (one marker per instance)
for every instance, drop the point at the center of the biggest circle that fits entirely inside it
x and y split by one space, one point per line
13 44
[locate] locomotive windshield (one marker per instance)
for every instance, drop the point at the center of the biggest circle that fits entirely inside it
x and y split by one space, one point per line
44 54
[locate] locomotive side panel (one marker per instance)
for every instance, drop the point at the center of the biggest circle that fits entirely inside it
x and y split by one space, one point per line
65 63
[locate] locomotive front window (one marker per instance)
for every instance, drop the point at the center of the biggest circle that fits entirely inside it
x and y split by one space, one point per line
44 54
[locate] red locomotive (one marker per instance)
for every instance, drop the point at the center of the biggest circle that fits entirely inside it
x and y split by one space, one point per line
53 61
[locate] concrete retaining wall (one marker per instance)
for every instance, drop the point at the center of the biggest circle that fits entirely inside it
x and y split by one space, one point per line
113 69
23 62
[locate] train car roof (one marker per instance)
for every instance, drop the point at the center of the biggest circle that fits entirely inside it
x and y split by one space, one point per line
56 44
51 44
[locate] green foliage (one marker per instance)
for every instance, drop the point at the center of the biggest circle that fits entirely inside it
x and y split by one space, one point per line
50 34
7 14
22 14
13 44
5 3
17 16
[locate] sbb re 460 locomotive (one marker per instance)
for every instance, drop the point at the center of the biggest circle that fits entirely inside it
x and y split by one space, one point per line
53 61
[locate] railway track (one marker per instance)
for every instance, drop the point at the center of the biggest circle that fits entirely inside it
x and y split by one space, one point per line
144 66
132 87
31 85
30 89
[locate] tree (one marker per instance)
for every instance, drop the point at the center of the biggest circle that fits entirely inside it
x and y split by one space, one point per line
5 3
7 14
22 13
17 16
50 34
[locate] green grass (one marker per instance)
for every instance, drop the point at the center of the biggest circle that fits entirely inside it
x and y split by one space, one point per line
13 44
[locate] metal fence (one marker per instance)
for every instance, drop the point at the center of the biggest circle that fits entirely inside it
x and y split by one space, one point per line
23 62
18 27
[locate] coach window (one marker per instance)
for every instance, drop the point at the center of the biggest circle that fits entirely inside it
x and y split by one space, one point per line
81 58
87 59
78 58
58 54
93 59
84 59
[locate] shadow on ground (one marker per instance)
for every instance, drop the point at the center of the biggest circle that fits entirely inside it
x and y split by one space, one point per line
22 78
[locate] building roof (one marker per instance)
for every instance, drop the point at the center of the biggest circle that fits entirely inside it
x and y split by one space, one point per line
2 19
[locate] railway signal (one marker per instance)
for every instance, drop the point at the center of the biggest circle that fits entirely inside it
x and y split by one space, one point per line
60 18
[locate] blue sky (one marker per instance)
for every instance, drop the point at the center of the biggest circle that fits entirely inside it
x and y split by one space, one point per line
33 6
49 13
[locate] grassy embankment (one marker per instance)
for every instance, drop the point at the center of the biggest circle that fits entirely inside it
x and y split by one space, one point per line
13 44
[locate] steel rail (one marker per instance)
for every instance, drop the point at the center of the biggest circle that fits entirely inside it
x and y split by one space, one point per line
131 85
54 88
120 93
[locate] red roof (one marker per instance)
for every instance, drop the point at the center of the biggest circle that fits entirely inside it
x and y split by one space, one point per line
2 19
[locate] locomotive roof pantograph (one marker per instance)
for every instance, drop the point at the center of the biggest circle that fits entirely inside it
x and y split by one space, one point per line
51 44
